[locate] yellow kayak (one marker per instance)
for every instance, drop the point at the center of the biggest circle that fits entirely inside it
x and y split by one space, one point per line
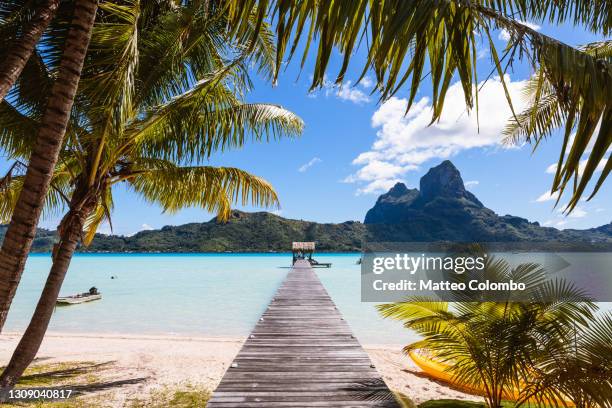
439 371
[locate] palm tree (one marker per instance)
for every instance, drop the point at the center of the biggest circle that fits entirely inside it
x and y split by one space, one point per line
44 153
31 95
442 36
498 346
545 114
22 27
408 42
158 97
576 365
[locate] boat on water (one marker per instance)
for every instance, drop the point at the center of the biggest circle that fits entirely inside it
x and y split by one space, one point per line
89 296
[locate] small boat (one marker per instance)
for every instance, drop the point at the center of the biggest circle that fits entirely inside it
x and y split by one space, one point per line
316 264
93 294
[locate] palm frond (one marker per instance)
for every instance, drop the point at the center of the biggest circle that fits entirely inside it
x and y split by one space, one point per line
505 348
55 201
17 131
101 213
108 82
33 86
211 188
211 128
549 110
403 38
163 86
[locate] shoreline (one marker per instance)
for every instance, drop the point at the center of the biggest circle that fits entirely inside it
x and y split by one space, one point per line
143 364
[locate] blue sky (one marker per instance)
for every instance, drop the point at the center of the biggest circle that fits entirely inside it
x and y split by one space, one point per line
353 149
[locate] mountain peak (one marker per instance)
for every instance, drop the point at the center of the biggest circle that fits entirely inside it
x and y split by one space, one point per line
442 186
391 203
443 180
397 190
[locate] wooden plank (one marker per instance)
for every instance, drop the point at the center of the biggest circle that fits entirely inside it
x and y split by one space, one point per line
302 353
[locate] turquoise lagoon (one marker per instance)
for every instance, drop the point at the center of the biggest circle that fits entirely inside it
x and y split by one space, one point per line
216 295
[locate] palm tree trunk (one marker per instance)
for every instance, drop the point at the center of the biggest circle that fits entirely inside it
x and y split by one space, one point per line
70 231
19 53
21 231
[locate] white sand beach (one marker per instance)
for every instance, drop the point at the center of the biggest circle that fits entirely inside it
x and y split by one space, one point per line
134 366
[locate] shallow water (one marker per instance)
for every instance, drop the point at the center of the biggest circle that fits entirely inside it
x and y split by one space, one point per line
202 294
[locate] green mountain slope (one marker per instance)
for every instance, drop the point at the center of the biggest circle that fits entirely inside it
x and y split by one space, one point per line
245 232
250 232
441 210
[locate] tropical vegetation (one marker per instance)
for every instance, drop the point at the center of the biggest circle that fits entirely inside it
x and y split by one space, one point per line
21 30
545 114
547 348
410 42
160 94
403 39
65 50
162 87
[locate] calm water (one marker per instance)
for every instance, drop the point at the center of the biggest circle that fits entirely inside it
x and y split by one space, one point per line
209 295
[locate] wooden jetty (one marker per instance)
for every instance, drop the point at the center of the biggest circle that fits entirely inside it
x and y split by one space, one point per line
302 353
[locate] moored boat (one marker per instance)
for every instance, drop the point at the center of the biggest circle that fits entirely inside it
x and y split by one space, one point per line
93 294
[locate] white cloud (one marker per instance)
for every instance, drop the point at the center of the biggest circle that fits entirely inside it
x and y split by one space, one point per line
471 183
547 196
482 53
346 92
376 170
377 186
505 35
308 165
561 218
405 141
552 169
577 212
277 212
143 227
366 82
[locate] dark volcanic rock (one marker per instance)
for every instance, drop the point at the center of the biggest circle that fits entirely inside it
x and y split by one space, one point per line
392 204
444 210
444 181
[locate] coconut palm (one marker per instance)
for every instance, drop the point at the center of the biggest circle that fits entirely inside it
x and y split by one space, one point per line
498 346
545 114
576 365
30 95
158 98
21 28
402 39
408 42
50 128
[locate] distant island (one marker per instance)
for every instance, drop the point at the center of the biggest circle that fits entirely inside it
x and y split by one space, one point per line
440 210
